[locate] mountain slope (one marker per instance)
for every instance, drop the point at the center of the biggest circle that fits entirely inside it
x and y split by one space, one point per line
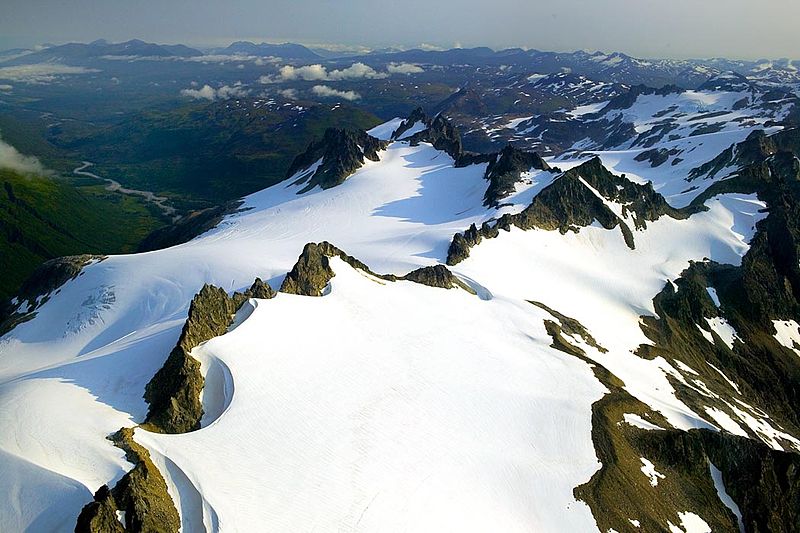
519 395
45 217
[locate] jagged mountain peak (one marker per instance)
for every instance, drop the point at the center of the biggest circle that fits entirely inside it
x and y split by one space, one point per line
417 118
727 81
505 170
329 161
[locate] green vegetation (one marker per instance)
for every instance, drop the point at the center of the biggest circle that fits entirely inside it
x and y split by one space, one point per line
45 217
203 154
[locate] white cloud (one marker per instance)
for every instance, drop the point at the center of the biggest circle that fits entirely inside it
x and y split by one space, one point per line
226 58
41 72
404 68
235 91
207 92
291 94
307 73
4 87
430 47
356 71
11 159
329 92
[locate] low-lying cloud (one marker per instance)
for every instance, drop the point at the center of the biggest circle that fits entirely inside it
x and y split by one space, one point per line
41 72
207 92
10 158
317 72
291 94
404 68
232 58
325 91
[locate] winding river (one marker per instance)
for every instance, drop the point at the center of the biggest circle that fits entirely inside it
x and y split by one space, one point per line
115 186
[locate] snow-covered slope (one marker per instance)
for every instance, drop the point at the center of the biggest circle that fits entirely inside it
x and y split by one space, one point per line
381 405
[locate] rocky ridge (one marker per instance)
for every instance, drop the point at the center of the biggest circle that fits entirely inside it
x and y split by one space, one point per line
339 153
574 200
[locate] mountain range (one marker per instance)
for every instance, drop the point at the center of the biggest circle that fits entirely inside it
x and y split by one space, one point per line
465 290
406 334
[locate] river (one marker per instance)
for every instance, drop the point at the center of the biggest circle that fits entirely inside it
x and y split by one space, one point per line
115 186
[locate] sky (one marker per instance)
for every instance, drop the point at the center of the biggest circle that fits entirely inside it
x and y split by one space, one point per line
748 29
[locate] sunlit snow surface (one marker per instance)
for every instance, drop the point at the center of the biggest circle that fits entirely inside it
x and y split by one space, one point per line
380 406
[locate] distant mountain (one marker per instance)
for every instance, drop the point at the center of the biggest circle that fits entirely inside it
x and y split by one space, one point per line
97 49
610 67
561 112
285 50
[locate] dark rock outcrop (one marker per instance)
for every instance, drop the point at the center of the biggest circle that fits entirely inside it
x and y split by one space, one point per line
764 483
311 274
505 171
569 326
657 156
100 516
436 276
141 494
755 149
568 204
342 152
173 394
461 243
418 115
765 287
37 289
443 135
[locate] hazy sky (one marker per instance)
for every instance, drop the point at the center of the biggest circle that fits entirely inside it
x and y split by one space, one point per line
647 28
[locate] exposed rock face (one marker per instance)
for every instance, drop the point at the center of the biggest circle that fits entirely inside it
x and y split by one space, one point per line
570 202
570 327
36 290
342 152
311 274
459 247
755 149
174 392
505 171
418 115
754 373
141 494
100 516
770 271
765 483
436 276
260 290
657 156
443 135
766 375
